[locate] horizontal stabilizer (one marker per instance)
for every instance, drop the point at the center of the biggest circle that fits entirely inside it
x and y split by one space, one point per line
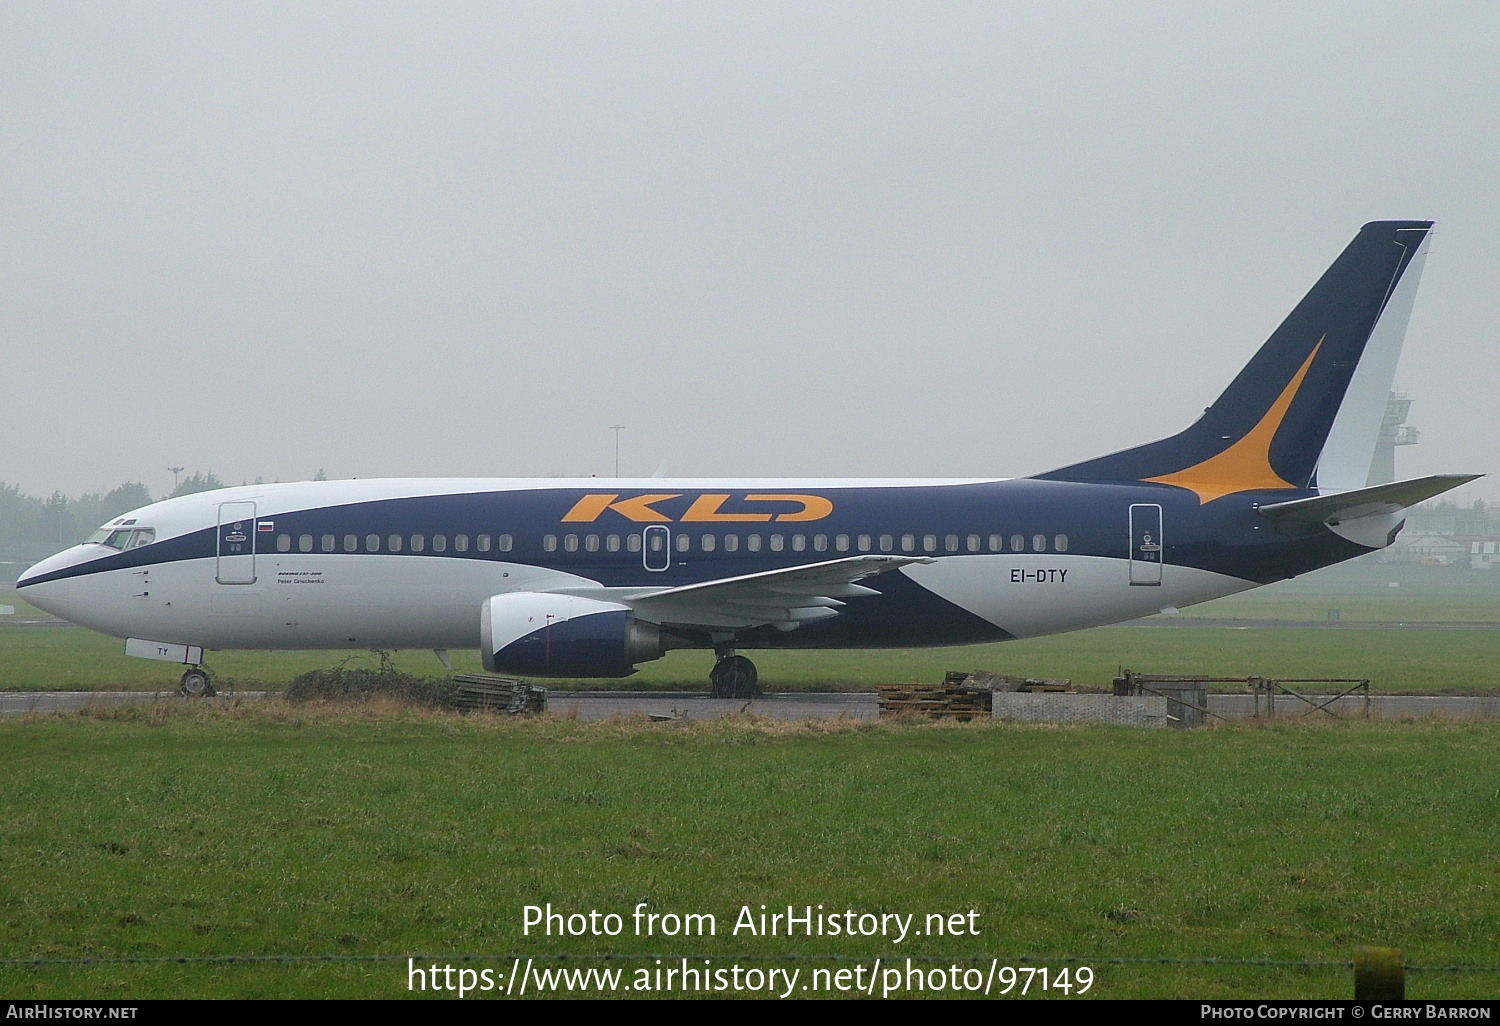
1379 500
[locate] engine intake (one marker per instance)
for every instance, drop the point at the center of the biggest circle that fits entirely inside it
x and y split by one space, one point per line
562 636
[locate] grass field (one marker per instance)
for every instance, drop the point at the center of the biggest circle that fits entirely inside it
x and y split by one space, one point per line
1362 590
271 829
1409 661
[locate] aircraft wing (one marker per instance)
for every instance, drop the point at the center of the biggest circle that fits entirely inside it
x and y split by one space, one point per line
785 598
1377 500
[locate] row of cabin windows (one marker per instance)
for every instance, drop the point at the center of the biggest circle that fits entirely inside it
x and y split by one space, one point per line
395 543
818 542
684 543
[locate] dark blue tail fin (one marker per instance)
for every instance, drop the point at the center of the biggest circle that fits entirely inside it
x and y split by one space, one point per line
1306 409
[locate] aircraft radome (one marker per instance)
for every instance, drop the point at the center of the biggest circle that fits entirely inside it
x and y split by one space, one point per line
587 578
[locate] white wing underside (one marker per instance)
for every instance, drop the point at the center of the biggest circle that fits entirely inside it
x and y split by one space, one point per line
784 598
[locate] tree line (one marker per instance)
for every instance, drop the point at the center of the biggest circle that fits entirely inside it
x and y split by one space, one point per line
32 528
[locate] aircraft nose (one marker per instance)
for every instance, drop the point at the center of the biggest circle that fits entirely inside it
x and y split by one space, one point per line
42 589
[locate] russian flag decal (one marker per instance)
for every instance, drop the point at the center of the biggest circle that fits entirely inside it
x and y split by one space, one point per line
266 525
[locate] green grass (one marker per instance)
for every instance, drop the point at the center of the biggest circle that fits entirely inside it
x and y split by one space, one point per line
1361 591
1414 661
267 829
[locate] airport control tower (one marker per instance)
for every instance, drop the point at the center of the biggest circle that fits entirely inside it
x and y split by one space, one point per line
1394 431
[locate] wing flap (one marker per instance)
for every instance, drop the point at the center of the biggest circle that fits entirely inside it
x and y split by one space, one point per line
786 598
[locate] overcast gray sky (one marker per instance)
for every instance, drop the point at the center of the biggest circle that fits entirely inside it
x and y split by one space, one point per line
770 239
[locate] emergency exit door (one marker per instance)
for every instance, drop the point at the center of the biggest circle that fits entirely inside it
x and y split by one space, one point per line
656 547
236 543
1145 544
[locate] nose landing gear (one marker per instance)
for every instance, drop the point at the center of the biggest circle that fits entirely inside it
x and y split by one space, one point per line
197 682
734 676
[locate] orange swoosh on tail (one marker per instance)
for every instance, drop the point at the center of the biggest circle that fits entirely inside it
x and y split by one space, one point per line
1246 465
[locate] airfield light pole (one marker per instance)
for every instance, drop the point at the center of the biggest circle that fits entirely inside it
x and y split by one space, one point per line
617 428
175 471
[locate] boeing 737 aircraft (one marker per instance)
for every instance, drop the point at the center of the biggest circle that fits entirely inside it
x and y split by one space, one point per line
587 578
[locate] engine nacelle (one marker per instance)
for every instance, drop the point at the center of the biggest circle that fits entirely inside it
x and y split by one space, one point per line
544 635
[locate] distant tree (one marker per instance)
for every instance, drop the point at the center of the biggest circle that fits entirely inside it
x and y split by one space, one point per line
196 482
59 526
320 476
91 510
21 532
130 495
31 528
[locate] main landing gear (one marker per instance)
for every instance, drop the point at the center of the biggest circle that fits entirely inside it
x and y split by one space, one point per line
733 676
197 682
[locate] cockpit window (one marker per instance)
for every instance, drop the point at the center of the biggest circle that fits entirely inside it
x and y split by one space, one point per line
123 539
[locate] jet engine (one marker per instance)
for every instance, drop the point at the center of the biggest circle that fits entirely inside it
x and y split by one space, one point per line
547 635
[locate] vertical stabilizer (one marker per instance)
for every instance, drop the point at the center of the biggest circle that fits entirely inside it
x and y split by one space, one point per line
1305 411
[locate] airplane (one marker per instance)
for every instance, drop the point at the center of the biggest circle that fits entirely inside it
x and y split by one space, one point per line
588 578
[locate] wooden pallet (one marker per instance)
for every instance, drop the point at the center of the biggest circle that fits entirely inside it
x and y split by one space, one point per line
983 680
933 700
475 692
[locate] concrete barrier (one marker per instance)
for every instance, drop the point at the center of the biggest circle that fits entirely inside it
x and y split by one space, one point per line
1122 711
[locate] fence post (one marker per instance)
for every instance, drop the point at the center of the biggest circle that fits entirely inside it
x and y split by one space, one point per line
1379 974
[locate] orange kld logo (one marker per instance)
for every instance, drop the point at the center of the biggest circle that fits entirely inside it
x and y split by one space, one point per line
706 509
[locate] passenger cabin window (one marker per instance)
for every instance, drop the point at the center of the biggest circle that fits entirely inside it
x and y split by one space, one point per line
591 543
482 542
505 543
328 542
440 543
997 543
351 543
549 543
283 543
1060 543
304 543
1039 543
372 543
570 543
841 542
612 543
864 543
799 542
1017 543
393 543
820 543
752 543
460 543
418 542
684 541
731 542
708 543
908 543
887 542
632 543
777 543
973 543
